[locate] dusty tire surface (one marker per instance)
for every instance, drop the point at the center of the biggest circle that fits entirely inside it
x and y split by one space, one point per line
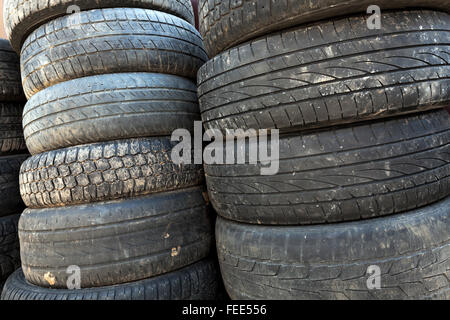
24 16
11 132
110 41
104 171
331 262
115 242
10 81
9 246
195 282
101 108
306 78
341 174
10 200
227 23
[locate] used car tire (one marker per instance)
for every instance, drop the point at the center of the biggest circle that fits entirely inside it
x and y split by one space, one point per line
330 73
411 252
24 16
9 246
10 82
109 107
11 132
110 41
341 174
104 171
225 23
195 282
10 200
115 242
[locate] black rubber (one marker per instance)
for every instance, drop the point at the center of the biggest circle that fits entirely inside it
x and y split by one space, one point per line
330 73
196 282
341 174
101 108
10 82
227 23
104 171
110 41
10 200
412 251
115 242
9 246
24 16
11 132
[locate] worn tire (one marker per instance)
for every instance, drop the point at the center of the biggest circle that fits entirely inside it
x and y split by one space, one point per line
345 174
11 132
10 200
412 251
330 73
9 246
10 82
110 41
196 282
115 242
102 108
104 171
24 16
227 23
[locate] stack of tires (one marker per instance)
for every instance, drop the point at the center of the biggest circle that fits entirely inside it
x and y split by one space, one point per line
12 154
359 208
108 211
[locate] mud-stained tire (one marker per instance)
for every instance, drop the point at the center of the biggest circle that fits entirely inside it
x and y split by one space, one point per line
24 16
115 242
104 171
108 41
329 73
10 81
10 200
328 262
195 282
11 131
9 246
109 107
341 174
227 23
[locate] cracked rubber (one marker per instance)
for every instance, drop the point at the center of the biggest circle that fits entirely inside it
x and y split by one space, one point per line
24 16
342 174
330 73
104 171
108 41
227 23
9 246
11 132
10 200
101 108
115 242
10 81
196 282
331 262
